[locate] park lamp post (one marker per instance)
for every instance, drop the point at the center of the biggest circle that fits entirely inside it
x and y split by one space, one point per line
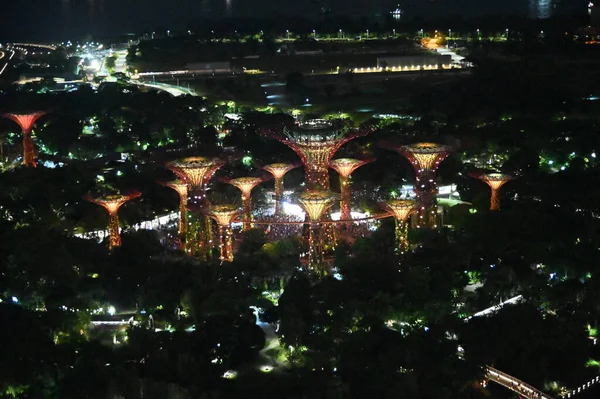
287 32
315 34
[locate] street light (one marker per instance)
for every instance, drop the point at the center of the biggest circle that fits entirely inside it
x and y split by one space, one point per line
168 33
288 34
314 34
422 34
450 33
342 33
367 33
394 32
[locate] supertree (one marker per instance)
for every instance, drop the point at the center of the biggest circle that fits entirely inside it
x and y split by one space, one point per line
315 203
182 189
246 185
400 209
196 172
224 215
345 167
425 159
315 141
26 122
112 203
278 170
495 181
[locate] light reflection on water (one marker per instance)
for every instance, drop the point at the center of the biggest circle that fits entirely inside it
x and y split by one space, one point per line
110 17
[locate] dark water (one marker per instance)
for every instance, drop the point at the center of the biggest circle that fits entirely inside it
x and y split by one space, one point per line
60 19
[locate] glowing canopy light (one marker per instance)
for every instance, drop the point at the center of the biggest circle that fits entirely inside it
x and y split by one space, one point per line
345 167
495 181
246 185
401 209
195 171
224 215
316 202
182 189
26 122
112 203
425 157
278 170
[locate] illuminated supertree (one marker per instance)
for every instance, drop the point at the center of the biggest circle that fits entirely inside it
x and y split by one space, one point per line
278 170
315 142
246 185
182 189
315 203
26 122
425 159
196 172
401 209
495 181
112 203
224 215
345 167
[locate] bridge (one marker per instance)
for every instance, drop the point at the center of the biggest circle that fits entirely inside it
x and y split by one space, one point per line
514 384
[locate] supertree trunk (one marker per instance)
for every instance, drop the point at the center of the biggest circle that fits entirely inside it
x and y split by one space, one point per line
401 237
183 221
200 238
345 198
278 195
427 213
317 178
226 243
316 257
28 150
247 208
494 200
113 231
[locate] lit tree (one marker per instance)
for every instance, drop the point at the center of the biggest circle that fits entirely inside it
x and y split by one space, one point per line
196 172
182 189
315 142
112 203
345 167
315 203
425 159
495 181
246 185
401 209
224 215
26 122
278 170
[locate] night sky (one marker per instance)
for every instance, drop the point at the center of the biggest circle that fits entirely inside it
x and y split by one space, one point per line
60 19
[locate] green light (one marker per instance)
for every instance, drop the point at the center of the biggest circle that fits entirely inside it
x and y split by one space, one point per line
247 160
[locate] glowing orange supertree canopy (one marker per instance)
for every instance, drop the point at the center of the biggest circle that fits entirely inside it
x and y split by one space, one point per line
196 172
182 189
401 209
425 159
495 181
224 215
315 141
112 203
26 122
246 185
345 167
278 170
315 203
